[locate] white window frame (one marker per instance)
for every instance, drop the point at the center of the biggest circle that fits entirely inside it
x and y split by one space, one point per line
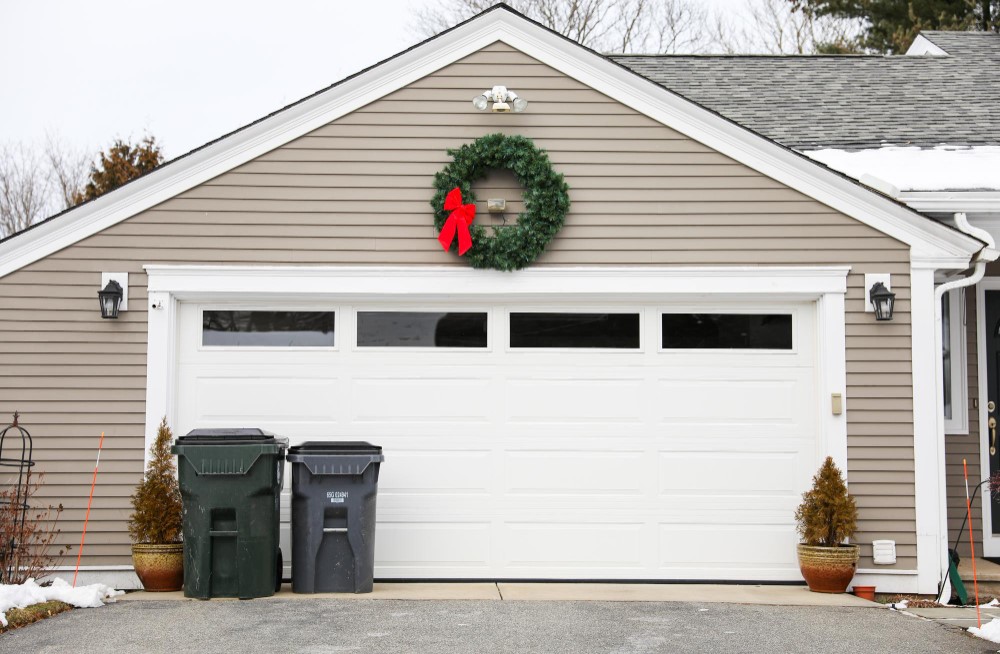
958 424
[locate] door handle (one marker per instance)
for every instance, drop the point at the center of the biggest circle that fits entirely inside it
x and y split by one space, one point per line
993 435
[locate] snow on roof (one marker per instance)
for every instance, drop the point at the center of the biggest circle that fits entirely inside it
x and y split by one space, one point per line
942 168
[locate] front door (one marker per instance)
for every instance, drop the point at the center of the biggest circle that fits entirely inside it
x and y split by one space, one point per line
992 446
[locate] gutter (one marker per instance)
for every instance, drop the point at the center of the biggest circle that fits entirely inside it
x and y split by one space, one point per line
985 255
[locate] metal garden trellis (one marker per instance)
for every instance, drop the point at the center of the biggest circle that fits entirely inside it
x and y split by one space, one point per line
15 464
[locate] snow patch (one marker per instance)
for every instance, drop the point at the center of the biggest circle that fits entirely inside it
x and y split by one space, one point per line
23 595
990 631
943 168
992 602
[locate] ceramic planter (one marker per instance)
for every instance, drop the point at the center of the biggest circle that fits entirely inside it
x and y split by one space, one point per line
865 592
828 569
159 567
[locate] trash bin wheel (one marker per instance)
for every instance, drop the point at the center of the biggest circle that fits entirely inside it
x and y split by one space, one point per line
277 573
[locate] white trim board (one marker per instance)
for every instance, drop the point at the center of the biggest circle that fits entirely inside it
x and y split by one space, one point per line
927 238
930 494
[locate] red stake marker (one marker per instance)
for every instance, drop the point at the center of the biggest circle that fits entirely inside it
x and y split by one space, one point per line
93 482
972 541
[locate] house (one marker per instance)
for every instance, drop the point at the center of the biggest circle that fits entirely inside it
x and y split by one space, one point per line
645 400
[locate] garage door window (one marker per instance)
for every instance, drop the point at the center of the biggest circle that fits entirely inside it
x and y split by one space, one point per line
268 328
424 329
727 331
575 330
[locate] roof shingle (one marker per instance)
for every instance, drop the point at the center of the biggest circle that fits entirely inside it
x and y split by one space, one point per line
848 102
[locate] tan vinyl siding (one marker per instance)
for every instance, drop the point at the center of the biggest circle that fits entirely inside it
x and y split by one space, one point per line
966 446
356 192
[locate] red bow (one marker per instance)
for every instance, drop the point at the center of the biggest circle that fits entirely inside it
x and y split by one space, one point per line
458 222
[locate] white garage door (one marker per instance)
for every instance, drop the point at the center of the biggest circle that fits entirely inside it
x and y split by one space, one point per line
547 442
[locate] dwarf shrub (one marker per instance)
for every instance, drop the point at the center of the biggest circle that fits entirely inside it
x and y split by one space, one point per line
828 514
156 503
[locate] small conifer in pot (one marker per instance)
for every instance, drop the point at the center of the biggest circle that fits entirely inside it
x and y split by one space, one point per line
827 518
155 525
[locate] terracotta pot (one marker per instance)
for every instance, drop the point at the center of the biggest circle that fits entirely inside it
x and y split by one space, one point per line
865 592
828 569
160 567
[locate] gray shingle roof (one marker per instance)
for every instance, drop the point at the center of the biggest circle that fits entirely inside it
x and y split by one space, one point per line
848 102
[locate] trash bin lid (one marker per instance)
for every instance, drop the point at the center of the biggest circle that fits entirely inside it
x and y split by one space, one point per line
343 448
227 436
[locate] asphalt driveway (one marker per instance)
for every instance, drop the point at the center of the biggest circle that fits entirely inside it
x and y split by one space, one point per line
428 627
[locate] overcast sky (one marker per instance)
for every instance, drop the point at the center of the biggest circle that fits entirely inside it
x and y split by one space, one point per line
185 71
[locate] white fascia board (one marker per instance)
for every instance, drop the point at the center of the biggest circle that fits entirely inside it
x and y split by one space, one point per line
290 282
926 237
970 202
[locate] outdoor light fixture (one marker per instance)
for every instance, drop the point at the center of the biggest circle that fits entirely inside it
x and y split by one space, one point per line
111 300
502 100
882 300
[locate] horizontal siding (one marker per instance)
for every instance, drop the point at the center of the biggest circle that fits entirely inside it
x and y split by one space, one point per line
357 191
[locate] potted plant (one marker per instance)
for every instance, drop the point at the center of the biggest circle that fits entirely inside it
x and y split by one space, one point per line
827 518
155 525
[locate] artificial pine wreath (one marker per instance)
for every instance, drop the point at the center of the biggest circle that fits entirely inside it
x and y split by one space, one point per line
546 201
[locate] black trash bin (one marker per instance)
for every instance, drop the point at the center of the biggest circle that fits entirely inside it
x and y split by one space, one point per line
230 482
333 516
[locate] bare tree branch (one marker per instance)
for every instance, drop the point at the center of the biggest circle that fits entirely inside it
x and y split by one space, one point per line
668 26
24 188
68 168
37 182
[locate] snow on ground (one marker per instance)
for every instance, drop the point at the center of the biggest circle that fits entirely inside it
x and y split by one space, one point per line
22 595
990 630
943 168
993 602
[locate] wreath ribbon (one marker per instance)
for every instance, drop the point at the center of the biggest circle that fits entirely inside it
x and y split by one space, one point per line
458 222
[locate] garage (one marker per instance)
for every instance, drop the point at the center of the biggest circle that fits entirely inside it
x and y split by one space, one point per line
564 439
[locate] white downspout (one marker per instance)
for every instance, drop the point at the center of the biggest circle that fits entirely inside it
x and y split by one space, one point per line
984 256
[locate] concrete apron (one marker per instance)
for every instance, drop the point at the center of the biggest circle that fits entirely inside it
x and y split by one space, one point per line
569 592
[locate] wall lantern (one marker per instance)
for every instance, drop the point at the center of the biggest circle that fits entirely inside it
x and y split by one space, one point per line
882 299
502 100
113 295
110 299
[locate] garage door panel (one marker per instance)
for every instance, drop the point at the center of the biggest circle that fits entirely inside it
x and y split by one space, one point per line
574 401
416 399
551 546
696 546
568 472
250 399
438 472
448 547
700 401
728 473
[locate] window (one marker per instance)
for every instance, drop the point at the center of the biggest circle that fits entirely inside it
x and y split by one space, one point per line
421 329
574 330
727 331
953 362
267 328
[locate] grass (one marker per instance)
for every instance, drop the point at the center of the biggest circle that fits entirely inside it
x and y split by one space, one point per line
21 617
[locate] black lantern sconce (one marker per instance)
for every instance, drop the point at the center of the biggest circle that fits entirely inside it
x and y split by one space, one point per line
882 300
111 300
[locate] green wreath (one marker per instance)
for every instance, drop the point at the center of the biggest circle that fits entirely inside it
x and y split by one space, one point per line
546 201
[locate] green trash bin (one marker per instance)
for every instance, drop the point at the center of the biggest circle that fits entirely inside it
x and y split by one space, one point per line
230 482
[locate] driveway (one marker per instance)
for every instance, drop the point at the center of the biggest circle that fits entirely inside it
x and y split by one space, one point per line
521 627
